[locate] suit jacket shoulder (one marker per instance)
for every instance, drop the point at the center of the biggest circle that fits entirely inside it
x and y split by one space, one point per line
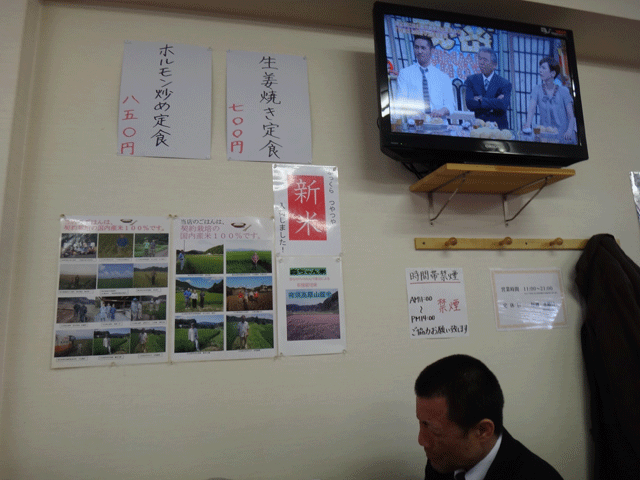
514 461
503 81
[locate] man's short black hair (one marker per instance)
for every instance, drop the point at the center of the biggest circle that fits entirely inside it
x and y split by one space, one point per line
471 390
423 37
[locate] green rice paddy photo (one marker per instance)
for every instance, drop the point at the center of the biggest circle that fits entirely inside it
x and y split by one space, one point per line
260 332
147 275
115 245
156 340
199 294
249 261
209 330
116 275
112 342
154 308
200 262
151 245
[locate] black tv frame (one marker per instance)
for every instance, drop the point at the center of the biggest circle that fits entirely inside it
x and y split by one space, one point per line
423 153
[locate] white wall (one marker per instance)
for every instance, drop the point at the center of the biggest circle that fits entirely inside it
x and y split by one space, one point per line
327 417
19 24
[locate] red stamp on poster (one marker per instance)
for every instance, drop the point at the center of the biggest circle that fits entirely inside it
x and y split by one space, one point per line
307 210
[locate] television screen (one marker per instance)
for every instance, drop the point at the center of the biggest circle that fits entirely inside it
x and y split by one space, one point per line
467 89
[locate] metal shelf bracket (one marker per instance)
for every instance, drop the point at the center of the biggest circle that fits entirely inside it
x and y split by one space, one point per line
462 177
505 206
454 178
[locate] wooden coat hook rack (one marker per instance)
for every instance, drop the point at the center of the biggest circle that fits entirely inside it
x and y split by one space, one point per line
506 243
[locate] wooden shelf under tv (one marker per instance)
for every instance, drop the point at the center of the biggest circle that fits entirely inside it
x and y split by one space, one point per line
488 180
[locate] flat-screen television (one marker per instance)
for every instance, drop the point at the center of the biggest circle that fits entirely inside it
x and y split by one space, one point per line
458 88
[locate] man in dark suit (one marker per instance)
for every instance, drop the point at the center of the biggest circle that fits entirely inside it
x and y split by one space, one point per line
488 94
459 406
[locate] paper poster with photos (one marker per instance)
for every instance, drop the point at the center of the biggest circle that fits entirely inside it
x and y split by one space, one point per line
113 283
310 306
223 289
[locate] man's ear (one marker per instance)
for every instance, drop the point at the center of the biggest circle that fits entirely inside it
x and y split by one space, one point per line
485 429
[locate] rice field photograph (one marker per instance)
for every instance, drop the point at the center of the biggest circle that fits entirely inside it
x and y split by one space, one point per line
200 257
247 293
114 341
115 245
150 275
115 275
245 260
77 276
204 333
259 328
151 245
199 294
153 308
313 315
148 340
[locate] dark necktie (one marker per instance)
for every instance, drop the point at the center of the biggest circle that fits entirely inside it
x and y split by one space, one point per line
486 87
459 476
425 91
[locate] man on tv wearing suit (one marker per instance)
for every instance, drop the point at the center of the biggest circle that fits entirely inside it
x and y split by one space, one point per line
459 407
488 94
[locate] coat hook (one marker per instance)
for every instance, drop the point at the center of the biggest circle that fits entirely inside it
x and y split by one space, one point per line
452 242
558 241
505 241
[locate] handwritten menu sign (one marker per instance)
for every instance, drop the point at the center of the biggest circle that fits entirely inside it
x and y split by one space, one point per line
268 116
437 304
165 101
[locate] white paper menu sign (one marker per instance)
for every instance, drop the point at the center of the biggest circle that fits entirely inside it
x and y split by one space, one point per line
165 101
437 303
528 299
268 115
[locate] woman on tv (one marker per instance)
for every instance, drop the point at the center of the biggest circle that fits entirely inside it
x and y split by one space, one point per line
554 103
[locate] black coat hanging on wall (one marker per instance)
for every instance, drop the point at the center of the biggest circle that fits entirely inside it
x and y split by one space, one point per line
609 284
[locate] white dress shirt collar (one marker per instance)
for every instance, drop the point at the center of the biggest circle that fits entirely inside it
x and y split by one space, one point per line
480 469
488 78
